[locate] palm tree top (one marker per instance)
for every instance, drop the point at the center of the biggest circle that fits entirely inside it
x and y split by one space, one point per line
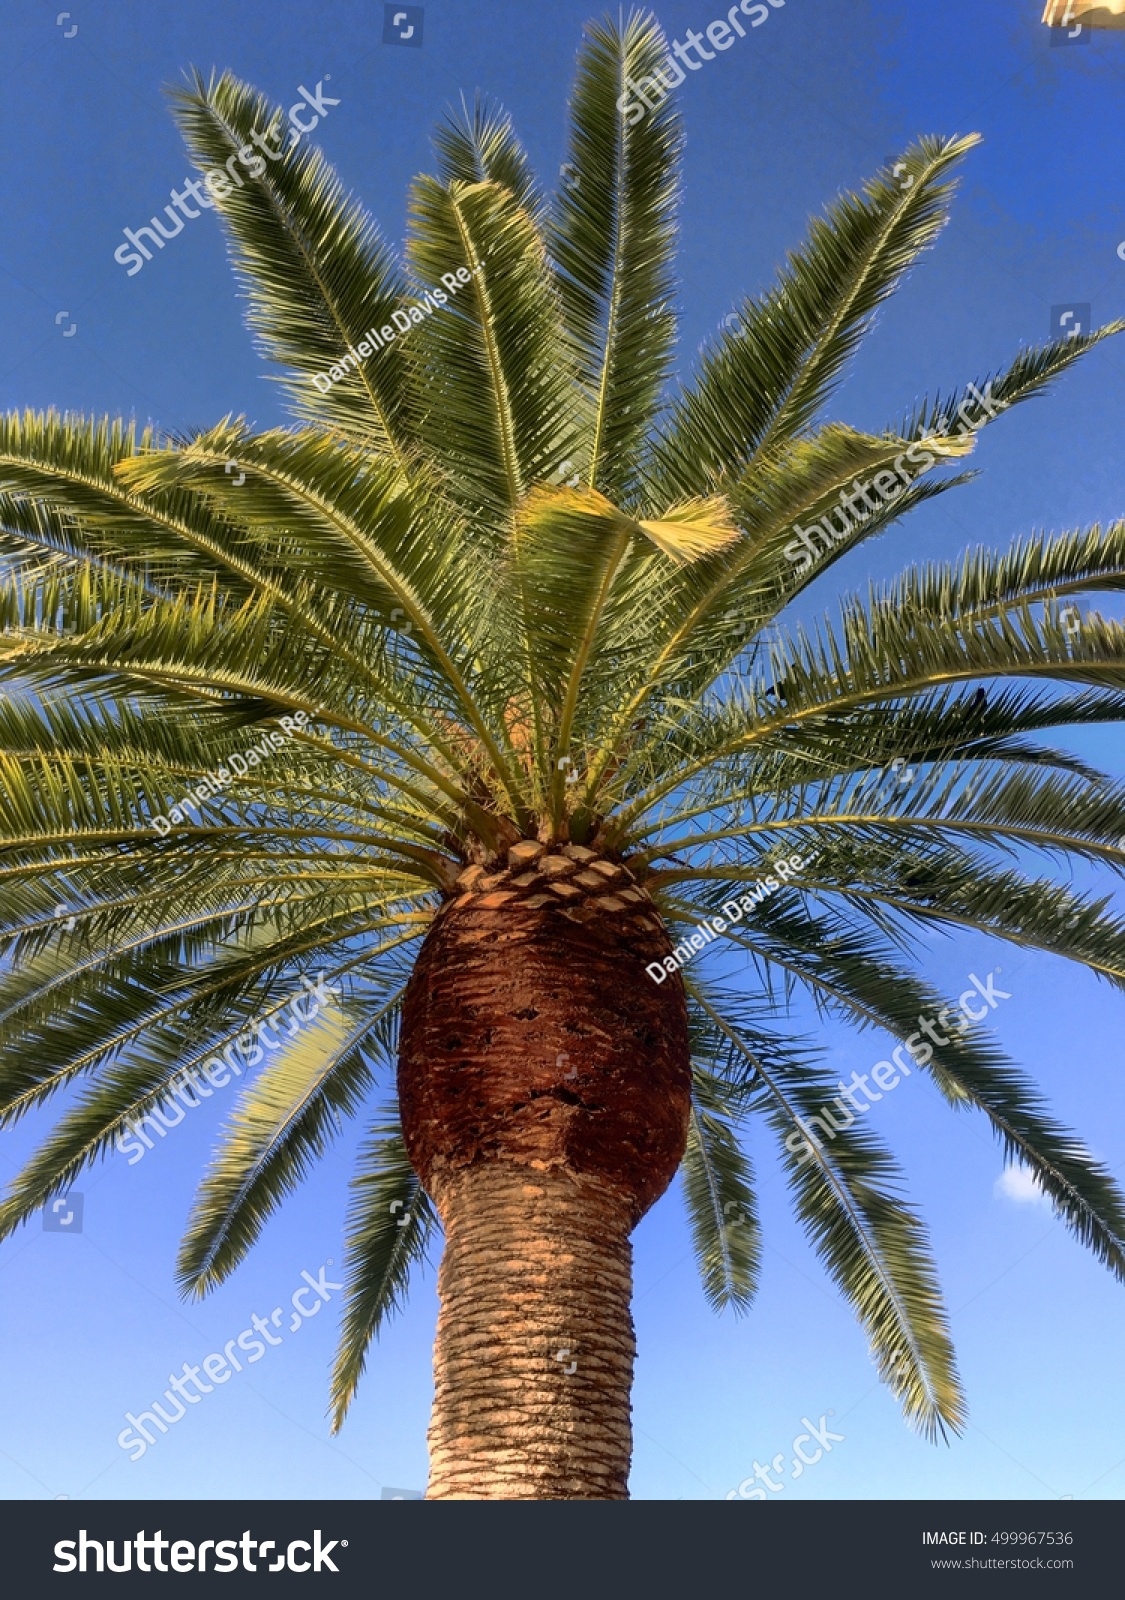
506 582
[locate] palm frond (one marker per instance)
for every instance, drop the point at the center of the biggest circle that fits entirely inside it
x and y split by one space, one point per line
281 1126
872 1244
390 1223
613 237
766 378
268 693
311 261
719 1195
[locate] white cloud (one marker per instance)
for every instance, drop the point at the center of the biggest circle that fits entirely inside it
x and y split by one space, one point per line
1018 1183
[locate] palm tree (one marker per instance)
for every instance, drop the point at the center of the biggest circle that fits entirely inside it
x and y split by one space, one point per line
464 702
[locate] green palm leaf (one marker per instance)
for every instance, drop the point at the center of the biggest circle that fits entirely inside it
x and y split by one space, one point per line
317 273
613 238
873 1246
719 1195
500 585
390 1223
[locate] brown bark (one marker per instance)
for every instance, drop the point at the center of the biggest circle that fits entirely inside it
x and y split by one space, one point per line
533 1360
544 1081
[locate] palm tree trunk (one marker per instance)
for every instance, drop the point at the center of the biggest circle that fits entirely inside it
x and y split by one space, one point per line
545 1088
533 1361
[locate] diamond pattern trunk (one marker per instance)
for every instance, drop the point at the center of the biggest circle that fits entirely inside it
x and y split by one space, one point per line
545 1087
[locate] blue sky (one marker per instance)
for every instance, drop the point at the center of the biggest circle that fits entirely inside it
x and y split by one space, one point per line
805 105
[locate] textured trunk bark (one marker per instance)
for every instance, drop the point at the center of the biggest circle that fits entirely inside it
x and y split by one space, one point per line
533 1361
545 1086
